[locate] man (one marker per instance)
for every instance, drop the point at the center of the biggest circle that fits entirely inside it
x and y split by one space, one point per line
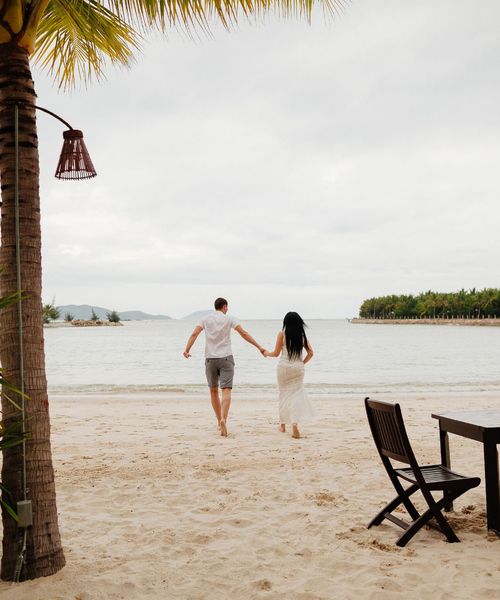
219 362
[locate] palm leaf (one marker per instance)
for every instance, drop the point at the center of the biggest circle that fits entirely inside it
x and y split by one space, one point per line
6 504
12 435
147 13
8 386
76 37
11 298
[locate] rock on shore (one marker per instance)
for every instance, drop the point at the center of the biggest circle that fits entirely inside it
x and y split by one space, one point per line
89 323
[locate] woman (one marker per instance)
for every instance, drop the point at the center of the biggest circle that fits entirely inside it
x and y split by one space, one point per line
294 406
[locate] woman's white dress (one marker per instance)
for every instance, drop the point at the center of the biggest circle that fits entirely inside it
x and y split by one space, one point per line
294 405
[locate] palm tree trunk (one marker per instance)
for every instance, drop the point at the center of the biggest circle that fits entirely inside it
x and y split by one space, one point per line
44 554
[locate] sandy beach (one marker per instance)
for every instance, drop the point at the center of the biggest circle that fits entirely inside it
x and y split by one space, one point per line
155 504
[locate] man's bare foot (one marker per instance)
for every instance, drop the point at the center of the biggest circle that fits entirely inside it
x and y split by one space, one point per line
223 428
295 432
283 428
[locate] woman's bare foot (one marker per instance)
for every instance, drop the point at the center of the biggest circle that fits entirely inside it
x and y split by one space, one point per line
282 428
295 431
223 428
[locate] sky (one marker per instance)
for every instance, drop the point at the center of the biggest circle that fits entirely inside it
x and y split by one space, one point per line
283 166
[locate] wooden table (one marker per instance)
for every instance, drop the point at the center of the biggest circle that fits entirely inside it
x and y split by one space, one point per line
482 426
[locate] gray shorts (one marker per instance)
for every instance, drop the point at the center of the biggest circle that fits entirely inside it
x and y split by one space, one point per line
220 372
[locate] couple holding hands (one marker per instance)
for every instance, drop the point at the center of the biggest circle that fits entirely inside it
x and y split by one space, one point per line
292 347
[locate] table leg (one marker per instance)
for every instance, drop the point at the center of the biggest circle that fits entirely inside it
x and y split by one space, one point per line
492 485
445 459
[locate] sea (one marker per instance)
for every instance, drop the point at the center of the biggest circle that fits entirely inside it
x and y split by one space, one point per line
146 356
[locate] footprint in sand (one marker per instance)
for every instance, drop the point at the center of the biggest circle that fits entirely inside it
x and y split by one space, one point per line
325 497
240 522
264 584
202 539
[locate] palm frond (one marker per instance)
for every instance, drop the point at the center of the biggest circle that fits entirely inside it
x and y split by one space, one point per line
8 504
145 13
11 299
8 386
11 435
76 37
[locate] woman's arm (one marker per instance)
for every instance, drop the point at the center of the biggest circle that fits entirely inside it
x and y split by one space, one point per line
309 354
277 348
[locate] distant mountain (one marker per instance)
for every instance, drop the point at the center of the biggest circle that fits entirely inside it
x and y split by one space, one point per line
138 315
197 315
84 311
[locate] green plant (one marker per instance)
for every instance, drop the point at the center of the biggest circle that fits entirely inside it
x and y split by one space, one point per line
69 317
113 316
11 434
50 312
93 316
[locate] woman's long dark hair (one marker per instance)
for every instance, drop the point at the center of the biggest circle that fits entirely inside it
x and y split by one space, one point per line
295 335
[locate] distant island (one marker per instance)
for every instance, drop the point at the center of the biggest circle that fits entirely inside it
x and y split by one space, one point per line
197 315
84 312
460 307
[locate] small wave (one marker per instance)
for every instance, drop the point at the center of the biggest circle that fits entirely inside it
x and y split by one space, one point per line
270 388
124 389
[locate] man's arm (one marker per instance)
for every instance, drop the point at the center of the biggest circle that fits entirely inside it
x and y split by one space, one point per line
192 339
248 338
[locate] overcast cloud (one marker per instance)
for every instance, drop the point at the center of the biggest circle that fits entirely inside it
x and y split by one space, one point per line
284 166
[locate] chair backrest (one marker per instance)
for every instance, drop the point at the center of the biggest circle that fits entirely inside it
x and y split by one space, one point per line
388 430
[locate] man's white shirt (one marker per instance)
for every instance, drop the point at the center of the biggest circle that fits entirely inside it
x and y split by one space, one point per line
217 327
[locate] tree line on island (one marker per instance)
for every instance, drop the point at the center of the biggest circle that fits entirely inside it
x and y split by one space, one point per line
51 312
464 304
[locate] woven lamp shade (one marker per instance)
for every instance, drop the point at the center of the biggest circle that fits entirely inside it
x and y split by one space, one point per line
74 162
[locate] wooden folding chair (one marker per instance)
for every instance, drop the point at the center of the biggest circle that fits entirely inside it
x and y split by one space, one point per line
389 433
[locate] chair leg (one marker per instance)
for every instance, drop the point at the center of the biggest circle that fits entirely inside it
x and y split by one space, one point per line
434 510
403 498
412 511
441 519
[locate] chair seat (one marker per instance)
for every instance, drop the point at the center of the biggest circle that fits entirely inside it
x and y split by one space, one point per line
438 477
